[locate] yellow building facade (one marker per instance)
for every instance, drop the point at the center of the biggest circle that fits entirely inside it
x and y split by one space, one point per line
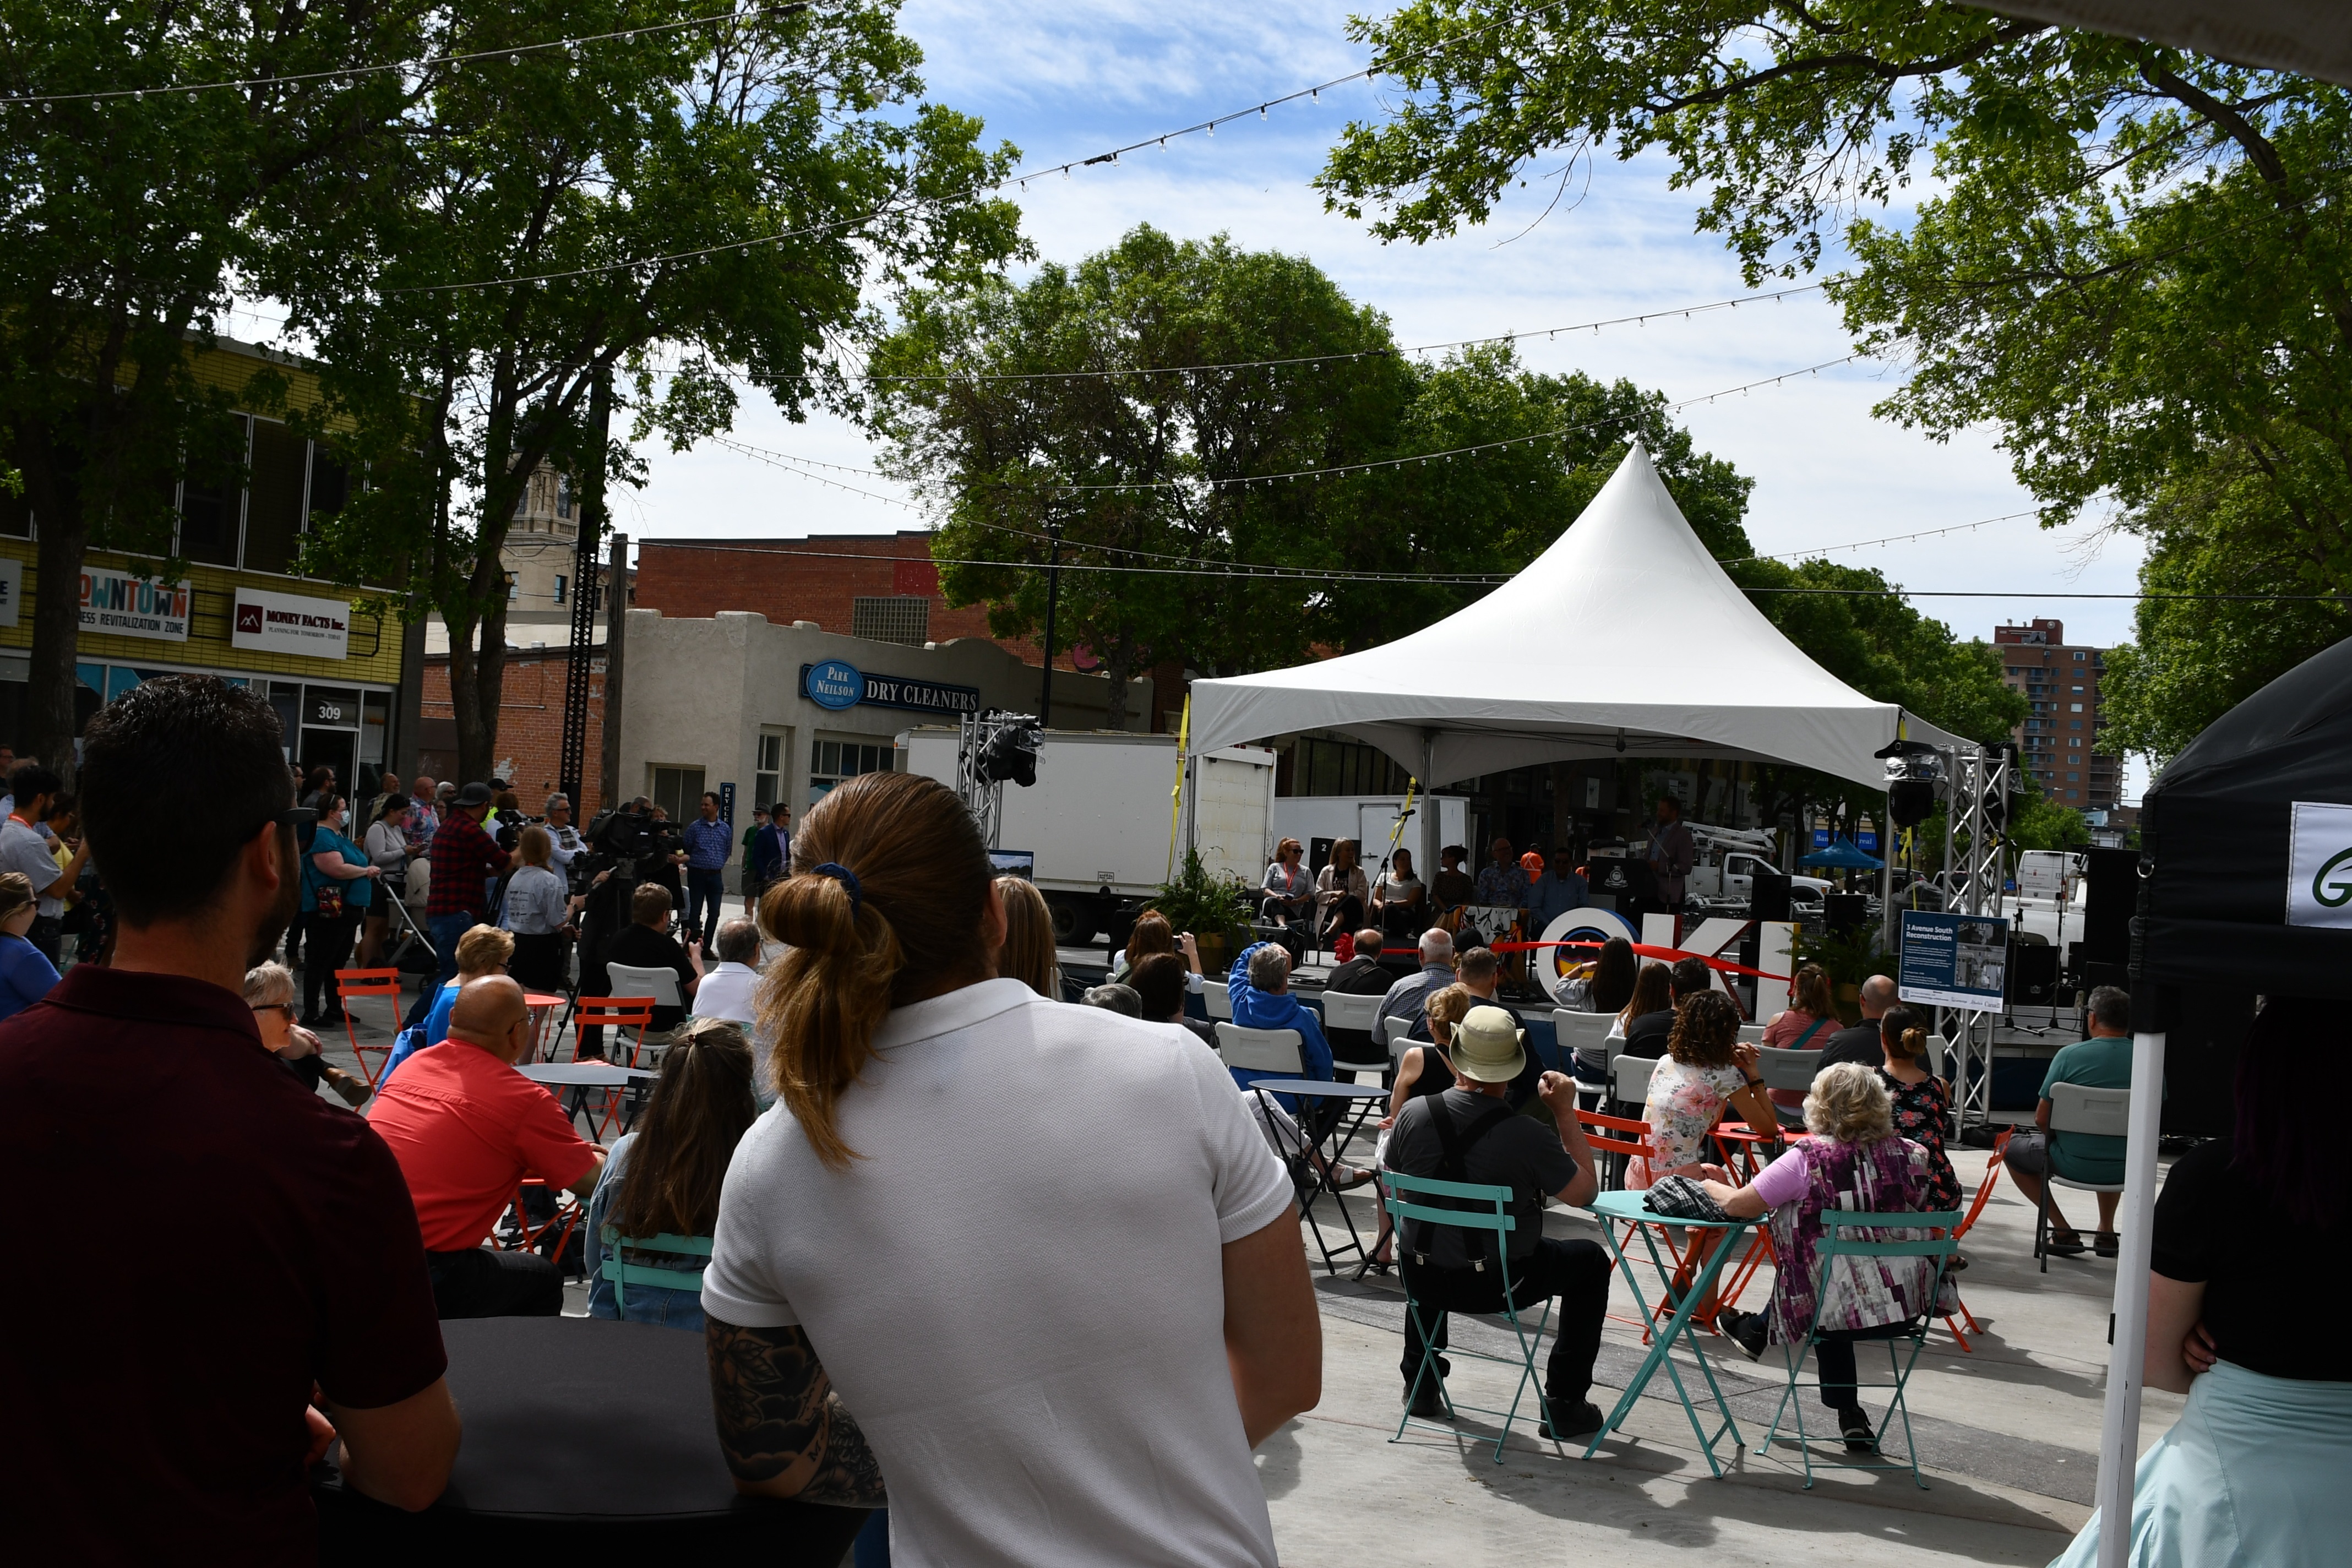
335 673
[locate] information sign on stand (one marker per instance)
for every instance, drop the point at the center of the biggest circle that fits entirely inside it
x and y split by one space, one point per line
1953 960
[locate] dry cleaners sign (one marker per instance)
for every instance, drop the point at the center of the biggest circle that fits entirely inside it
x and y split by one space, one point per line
290 622
123 606
836 683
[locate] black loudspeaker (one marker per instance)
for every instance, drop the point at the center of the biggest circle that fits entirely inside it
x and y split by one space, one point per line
2111 895
1768 897
2032 975
1319 855
2095 973
1845 911
1910 802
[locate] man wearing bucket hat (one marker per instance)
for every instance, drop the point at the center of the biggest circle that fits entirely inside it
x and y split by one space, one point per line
1470 1133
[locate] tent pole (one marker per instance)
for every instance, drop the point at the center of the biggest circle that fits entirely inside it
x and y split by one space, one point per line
2119 1433
1433 831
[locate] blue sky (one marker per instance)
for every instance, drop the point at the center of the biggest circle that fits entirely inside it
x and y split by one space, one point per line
1062 80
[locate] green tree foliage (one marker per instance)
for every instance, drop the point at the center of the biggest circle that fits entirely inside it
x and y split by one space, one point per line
758 174
1021 411
125 219
2132 265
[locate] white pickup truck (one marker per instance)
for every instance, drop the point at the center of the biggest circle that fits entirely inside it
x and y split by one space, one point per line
1730 874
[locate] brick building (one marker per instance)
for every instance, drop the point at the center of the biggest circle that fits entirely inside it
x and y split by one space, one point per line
2060 737
531 724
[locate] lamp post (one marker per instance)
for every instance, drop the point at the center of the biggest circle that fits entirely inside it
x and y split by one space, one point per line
1053 598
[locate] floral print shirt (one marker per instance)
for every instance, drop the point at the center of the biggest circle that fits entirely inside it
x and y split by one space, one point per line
1685 1102
1920 1110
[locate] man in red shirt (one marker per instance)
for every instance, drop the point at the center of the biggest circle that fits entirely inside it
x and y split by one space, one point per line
464 858
147 1427
466 1129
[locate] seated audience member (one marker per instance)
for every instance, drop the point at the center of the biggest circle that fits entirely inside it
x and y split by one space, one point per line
2249 1231
1151 933
1860 1043
1809 1023
1160 980
1421 1071
269 993
26 973
899 1058
725 991
1404 998
295 1317
1478 972
1116 998
482 952
1853 1161
1919 1098
1648 1032
539 905
1484 1143
466 1129
1027 951
1360 975
1708 1073
2102 1061
646 944
1649 989
1259 986
662 1178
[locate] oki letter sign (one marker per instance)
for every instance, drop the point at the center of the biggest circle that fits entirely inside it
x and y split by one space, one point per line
290 622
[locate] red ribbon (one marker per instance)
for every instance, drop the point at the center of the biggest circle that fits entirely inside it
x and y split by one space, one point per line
1668 954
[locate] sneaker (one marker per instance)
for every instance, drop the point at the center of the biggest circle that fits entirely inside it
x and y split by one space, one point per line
1744 1330
1562 1420
1854 1427
1427 1402
2105 1243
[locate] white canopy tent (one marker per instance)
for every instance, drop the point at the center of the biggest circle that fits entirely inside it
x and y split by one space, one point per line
1624 637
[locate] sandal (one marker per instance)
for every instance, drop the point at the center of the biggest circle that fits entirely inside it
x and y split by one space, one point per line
2064 1244
2105 1243
1356 1176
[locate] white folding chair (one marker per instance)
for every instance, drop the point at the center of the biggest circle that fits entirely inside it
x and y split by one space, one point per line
1344 1011
1787 1072
1219 998
1629 1078
1396 1030
1261 1050
1753 1033
661 984
1579 1033
2095 1112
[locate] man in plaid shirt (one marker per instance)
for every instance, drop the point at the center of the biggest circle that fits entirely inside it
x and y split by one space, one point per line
464 860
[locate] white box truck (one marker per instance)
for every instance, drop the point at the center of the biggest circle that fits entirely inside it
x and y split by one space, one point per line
1099 818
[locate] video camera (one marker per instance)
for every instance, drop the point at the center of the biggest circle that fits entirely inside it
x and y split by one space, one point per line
624 842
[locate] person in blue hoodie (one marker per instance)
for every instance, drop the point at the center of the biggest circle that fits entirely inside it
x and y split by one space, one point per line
1259 987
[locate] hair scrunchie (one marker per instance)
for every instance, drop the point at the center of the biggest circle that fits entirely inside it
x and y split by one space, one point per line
847 878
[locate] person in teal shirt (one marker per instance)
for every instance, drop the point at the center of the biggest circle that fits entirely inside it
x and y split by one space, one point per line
339 869
2102 1061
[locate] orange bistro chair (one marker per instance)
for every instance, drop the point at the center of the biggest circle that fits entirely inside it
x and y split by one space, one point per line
616 1014
349 986
1976 1207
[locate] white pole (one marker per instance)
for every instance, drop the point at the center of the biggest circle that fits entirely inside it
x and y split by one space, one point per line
2120 1434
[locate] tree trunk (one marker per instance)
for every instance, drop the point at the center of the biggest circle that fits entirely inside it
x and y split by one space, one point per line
49 722
1116 661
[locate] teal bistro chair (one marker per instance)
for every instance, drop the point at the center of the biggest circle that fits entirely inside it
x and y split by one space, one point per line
1939 1243
1483 1213
624 1273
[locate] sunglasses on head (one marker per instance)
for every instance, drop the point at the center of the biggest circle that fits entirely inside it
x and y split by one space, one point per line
304 821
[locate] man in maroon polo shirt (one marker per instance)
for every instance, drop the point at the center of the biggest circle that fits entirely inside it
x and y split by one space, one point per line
167 1407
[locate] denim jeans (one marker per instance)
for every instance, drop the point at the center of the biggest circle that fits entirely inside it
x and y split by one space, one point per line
655 1304
705 893
444 930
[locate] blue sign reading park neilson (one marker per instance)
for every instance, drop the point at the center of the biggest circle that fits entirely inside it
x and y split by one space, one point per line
832 683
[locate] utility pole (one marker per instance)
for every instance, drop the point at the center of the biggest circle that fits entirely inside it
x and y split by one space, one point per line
1052 596
616 626
571 769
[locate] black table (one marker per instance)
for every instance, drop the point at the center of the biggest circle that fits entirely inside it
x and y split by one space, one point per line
582 1435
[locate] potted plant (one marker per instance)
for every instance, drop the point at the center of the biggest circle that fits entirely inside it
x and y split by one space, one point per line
1848 960
1214 908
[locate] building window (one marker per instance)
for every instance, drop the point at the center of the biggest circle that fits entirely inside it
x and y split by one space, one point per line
2074 795
514 588
834 760
2080 656
2075 724
2074 778
558 588
768 772
902 618
678 791
1343 767
2074 708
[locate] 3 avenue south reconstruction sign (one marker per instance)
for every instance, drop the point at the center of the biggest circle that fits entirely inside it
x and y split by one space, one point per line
1953 960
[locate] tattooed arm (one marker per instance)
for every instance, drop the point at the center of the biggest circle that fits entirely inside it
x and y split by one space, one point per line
783 1430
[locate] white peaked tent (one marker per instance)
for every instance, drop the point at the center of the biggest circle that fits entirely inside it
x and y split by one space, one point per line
1624 637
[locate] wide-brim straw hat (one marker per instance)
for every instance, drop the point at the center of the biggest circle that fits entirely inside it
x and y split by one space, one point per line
1488 1047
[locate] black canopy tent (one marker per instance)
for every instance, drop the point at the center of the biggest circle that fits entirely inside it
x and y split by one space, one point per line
2218 874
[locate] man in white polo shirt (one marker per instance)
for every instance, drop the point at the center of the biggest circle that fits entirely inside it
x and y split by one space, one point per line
24 847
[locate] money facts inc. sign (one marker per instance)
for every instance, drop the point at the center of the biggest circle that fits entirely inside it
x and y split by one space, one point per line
290 622
124 605
836 683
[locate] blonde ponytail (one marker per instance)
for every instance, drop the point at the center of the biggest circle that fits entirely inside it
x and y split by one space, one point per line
891 912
